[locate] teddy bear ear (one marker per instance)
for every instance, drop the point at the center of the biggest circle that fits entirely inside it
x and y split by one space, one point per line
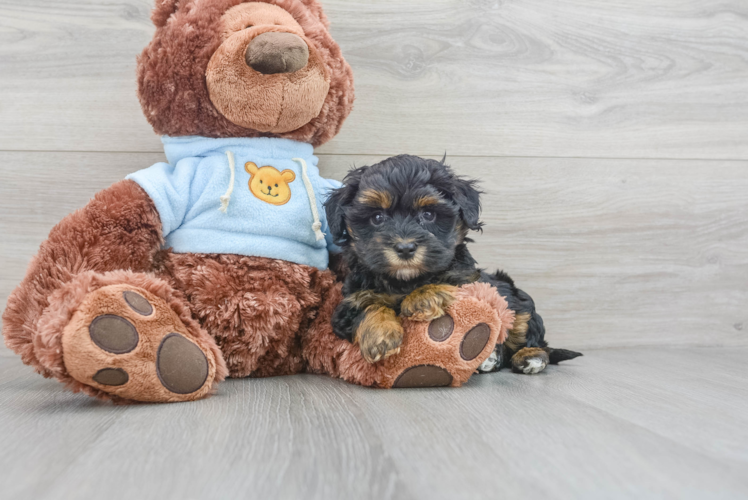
163 11
316 9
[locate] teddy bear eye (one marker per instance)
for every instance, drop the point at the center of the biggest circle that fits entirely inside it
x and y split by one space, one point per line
276 185
260 181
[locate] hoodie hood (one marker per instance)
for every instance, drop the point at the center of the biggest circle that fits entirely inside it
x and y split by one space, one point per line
179 148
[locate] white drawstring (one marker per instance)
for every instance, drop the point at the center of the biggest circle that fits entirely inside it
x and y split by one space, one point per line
317 226
226 198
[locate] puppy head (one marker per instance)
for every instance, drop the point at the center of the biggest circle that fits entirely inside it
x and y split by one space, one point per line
403 217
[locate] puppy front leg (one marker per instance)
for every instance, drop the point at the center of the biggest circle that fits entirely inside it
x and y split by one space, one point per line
379 333
428 302
345 319
369 319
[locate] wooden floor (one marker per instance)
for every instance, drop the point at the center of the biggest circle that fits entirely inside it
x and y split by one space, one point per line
611 139
619 423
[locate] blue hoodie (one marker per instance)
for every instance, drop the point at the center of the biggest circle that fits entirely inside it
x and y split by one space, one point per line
259 197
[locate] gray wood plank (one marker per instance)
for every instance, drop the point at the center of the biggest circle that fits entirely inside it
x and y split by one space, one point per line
615 252
628 423
580 78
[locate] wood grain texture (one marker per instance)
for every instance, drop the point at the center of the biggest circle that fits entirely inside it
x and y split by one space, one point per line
580 78
615 252
603 426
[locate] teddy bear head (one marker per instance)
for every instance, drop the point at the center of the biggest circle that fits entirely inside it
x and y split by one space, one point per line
232 68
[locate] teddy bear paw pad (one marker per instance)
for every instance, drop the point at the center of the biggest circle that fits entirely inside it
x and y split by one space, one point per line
424 376
113 334
181 366
129 343
447 350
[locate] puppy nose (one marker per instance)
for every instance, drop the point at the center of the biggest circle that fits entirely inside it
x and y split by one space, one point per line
275 52
406 250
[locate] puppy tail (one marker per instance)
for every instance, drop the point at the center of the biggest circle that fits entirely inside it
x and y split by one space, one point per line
558 355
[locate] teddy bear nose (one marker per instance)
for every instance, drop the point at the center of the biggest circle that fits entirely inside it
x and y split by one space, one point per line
406 250
275 52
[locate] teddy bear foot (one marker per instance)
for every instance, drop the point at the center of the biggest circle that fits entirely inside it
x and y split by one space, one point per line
130 344
448 350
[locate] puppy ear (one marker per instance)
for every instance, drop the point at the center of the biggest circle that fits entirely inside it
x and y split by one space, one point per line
335 211
336 204
163 11
467 198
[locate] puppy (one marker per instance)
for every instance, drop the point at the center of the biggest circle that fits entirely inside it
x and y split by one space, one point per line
403 226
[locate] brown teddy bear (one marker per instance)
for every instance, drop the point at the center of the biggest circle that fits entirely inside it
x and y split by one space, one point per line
194 270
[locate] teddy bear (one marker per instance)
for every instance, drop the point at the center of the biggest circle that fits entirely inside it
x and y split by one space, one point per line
195 269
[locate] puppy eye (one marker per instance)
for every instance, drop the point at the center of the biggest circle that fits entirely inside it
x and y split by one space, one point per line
428 216
250 26
377 219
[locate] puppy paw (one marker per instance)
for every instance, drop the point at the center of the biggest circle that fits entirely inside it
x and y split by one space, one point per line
428 302
379 335
530 360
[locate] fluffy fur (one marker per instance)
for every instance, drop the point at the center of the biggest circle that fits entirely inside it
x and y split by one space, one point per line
171 71
118 229
403 224
254 308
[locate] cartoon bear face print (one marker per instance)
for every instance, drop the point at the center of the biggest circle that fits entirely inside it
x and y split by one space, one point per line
270 185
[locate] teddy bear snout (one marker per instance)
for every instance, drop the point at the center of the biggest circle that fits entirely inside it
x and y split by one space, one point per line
276 52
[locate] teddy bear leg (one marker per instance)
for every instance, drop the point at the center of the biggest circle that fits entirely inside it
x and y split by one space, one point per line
439 353
129 337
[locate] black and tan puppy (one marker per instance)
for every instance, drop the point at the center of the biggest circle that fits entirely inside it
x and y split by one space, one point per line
403 226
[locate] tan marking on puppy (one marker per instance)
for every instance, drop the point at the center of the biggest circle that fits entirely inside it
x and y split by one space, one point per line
379 335
428 302
367 298
461 231
530 360
405 269
517 335
426 201
375 198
